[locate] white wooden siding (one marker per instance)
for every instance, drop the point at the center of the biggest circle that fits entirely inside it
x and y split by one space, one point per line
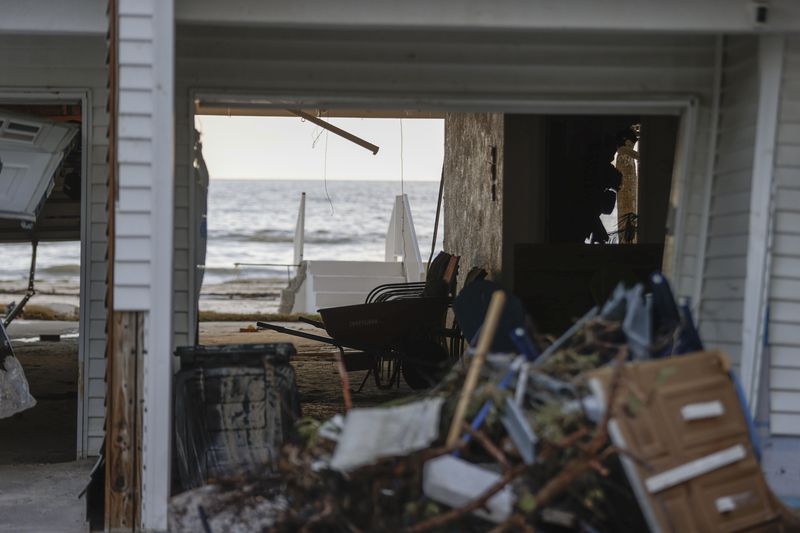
784 290
47 62
133 226
429 69
724 271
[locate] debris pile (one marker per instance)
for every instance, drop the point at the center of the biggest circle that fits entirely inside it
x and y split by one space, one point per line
515 442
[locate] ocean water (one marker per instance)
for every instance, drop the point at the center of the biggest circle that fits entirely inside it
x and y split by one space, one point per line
253 221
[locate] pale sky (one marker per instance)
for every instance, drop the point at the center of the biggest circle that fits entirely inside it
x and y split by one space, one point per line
284 148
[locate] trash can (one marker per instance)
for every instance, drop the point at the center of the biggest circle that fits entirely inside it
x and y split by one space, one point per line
234 406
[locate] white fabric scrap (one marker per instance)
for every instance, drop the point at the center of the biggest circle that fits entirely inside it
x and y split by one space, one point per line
455 482
371 433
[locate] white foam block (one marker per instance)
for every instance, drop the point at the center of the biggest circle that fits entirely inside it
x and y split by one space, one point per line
455 482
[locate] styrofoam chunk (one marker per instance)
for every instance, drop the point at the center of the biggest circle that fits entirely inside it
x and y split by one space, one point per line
456 482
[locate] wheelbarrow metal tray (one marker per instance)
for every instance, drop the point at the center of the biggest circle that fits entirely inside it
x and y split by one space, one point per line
378 325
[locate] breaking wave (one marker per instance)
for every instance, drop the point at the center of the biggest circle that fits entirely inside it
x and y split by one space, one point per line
278 236
68 269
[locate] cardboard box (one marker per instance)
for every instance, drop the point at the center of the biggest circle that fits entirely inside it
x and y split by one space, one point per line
690 460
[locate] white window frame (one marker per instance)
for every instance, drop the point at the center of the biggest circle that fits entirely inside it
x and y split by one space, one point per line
67 95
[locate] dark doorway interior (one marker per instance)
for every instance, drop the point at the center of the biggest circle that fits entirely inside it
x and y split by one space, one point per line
561 191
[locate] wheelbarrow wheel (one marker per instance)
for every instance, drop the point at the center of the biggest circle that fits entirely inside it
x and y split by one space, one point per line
425 364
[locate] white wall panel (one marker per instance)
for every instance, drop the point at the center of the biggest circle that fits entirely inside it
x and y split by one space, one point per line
724 270
47 62
784 296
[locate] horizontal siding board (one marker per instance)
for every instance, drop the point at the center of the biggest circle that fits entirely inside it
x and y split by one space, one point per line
134 249
784 289
786 267
135 28
784 311
788 200
727 246
788 155
135 53
134 151
135 199
132 225
789 133
784 424
786 333
723 289
727 203
726 268
135 101
132 273
784 378
726 225
136 7
732 350
136 77
727 331
128 298
787 222
785 401
785 356
136 175
787 245
135 127
732 310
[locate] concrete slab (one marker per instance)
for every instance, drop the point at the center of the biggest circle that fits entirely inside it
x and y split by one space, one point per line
43 498
20 328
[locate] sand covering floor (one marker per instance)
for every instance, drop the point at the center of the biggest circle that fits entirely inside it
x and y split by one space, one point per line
315 368
46 433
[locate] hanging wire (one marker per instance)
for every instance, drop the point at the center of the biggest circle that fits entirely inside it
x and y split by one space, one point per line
325 174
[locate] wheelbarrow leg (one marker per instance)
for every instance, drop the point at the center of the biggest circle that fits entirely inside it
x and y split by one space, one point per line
364 381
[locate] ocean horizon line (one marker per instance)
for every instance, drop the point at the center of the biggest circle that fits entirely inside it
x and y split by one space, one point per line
397 180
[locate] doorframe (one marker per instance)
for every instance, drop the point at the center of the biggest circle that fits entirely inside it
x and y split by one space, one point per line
33 96
684 106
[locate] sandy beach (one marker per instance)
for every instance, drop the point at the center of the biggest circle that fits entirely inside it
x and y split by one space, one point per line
245 296
52 371
317 377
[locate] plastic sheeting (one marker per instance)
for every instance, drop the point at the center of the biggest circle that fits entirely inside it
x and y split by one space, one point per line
15 395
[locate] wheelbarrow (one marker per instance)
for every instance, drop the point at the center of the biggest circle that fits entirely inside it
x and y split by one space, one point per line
391 338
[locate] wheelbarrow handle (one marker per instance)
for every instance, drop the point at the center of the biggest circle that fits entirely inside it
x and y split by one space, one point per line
296 333
315 323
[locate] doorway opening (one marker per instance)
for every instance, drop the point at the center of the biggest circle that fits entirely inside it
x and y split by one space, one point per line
258 170
602 187
298 218
41 190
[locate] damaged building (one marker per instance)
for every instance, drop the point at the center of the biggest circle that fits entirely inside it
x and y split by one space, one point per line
537 100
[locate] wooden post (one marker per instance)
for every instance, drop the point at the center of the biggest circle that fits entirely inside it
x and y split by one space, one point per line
123 427
484 345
